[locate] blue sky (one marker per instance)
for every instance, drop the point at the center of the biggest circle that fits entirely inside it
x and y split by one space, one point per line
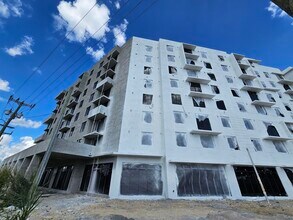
30 29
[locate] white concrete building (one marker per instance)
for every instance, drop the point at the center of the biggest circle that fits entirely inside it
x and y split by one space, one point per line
165 119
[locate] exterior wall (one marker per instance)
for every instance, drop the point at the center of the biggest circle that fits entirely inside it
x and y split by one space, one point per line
121 140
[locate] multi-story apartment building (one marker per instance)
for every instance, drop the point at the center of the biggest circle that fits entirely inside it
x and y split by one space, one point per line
164 119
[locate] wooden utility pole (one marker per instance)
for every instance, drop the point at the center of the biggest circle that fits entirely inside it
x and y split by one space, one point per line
13 114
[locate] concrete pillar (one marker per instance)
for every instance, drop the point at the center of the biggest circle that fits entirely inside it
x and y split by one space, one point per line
76 177
232 182
285 181
114 191
33 166
53 177
24 165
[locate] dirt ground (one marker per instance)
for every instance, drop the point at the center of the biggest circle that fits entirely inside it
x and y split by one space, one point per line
57 206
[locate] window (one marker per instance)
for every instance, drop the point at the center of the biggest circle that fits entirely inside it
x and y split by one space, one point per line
241 107
88 82
256 144
171 58
98 74
290 127
206 141
287 107
91 97
82 127
174 83
80 104
272 84
95 84
278 112
203 122
226 122
215 89
71 132
147 117
271 129
91 73
198 102
233 144
229 79
195 87
172 69
181 139
225 68
147 138
270 97
235 93
101 64
221 58
148 58
266 74
148 83
76 116
84 93
147 99
203 54
257 73
263 84
261 110
147 70
169 48
178 117
221 105
248 124
212 76
207 65
148 48
280 146
280 95
176 99
87 111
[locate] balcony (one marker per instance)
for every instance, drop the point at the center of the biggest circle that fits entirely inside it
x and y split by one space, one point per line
102 100
205 132
197 92
55 110
288 89
243 64
40 138
251 86
65 128
285 81
68 115
50 119
105 84
60 95
109 73
189 51
72 103
277 138
76 92
197 77
110 64
98 113
263 103
192 65
273 134
93 134
247 75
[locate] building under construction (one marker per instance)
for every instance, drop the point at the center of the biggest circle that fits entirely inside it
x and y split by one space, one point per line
165 119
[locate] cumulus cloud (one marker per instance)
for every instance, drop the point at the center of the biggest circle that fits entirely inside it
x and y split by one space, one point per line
10 8
4 85
96 54
23 48
119 33
8 147
275 10
71 12
26 123
117 5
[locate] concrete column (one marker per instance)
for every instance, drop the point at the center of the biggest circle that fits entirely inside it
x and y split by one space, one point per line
285 181
33 166
76 177
53 177
232 182
115 179
24 165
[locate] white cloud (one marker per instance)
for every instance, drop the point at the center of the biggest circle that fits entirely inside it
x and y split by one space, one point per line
26 123
96 54
117 5
21 49
11 8
37 70
4 85
2 99
71 12
119 33
276 11
8 147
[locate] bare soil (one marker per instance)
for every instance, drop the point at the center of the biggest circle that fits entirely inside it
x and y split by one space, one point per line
60 206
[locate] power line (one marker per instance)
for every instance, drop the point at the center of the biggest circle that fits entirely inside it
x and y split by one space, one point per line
54 49
75 52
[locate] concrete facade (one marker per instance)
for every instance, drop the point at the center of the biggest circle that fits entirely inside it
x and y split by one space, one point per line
159 119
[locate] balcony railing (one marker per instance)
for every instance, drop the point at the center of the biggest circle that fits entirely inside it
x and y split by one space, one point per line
105 84
248 85
50 119
98 113
192 64
197 77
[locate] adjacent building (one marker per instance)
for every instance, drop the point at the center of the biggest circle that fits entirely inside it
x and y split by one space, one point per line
165 119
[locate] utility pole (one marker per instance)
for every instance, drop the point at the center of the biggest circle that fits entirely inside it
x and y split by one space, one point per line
13 114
